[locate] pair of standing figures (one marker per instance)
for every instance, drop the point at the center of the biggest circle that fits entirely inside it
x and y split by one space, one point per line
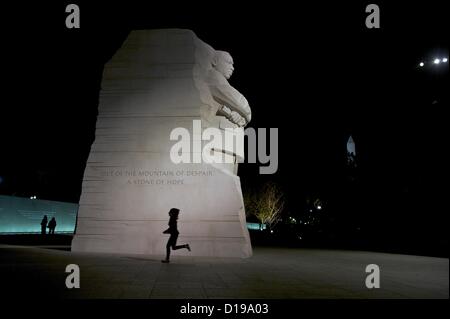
173 231
51 225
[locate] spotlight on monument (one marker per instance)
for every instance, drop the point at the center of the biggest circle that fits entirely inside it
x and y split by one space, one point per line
437 61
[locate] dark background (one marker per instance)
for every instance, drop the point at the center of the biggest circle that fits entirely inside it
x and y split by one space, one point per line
313 70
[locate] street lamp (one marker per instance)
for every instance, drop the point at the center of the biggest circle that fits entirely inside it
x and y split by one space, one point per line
436 61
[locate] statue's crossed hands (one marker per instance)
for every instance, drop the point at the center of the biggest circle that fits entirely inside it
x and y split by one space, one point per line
236 118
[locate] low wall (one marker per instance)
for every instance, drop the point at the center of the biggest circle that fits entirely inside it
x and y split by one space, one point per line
24 215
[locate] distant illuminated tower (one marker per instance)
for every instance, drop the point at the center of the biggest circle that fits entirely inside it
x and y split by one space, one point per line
351 152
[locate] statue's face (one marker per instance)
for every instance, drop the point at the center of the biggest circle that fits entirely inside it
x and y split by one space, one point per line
224 64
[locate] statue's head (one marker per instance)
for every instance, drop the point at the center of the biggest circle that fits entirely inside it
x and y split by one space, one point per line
223 63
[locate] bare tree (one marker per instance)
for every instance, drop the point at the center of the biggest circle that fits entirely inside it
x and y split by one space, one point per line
266 205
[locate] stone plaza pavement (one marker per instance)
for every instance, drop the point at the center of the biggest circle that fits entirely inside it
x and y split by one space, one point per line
278 273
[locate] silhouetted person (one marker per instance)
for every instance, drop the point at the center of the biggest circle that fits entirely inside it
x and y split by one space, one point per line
173 231
44 225
52 226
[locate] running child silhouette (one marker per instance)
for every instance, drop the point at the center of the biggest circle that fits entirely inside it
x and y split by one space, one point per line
173 231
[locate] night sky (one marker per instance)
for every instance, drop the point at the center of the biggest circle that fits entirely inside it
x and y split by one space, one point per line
312 70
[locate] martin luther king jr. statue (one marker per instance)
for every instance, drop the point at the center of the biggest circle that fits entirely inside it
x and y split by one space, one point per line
157 81
234 105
